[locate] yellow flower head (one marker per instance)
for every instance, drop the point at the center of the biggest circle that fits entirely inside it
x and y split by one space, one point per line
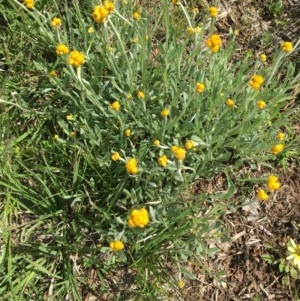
214 42
116 245
198 29
100 14
180 153
136 15
115 156
213 11
175 1
156 142
280 136
294 253
287 46
263 57
273 185
53 73
189 144
131 166
174 148
138 218
200 87
127 132
109 6
256 81
262 195
90 30
165 113
180 284
261 104
73 134
69 117
62 49
230 103
56 137
76 58
29 4
55 22
277 148
115 106
195 10
162 161
140 95
190 31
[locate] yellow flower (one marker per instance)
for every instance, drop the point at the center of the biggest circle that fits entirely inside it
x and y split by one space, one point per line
131 166
69 117
136 15
273 185
76 58
100 14
29 4
138 218
162 161
175 1
256 81
277 148
129 96
200 87
180 153
140 95
156 142
56 137
165 113
190 31
280 136
116 245
174 148
214 42
230 103
195 10
263 57
90 29
198 29
213 11
262 195
115 156
180 284
62 49
294 251
115 106
272 178
53 73
109 6
261 104
127 132
189 144
287 46
73 134
55 22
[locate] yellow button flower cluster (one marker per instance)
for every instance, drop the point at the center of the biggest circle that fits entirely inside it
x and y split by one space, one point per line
179 152
262 195
116 245
101 12
230 103
277 148
76 58
189 144
55 22
280 136
29 4
136 15
140 95
115 106
138 218
213 11
162 161
261 104
200 87
115 156
131 166
214 42
62 49
256 81
165 113
273 183
287 46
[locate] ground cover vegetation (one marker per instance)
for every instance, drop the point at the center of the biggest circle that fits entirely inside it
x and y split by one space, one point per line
110 112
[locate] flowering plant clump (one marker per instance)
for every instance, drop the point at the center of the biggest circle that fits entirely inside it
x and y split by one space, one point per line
130 105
